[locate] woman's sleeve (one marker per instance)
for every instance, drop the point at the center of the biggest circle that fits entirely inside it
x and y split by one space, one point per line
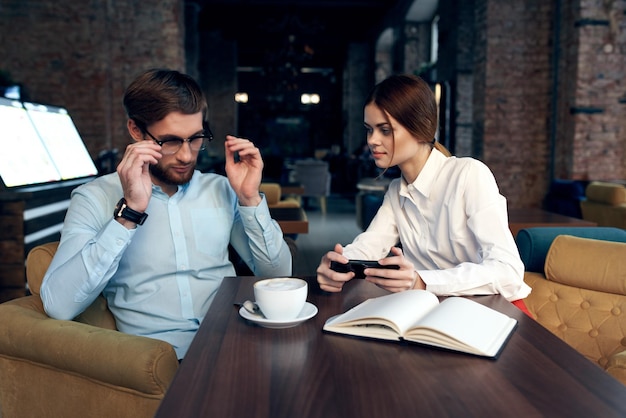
381 234
500 268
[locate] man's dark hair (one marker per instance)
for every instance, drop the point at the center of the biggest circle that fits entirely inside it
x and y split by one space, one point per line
157 92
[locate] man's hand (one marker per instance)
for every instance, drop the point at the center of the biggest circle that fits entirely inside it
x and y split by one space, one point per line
134 174
245 174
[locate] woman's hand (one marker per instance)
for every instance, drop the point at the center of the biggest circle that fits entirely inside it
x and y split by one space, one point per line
331 280
404 278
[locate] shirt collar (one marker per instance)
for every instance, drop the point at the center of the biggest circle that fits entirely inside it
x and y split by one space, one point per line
426 178
182 189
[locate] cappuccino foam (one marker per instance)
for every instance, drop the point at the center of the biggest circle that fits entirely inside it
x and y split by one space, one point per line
280 285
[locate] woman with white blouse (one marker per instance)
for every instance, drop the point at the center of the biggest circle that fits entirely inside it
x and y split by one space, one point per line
443 222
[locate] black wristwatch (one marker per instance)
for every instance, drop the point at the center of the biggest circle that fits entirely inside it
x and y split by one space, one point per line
123 211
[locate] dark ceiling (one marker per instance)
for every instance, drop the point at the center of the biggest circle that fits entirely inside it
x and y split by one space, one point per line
313 32
286 48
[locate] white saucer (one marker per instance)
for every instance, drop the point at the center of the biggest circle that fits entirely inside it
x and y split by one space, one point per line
308 312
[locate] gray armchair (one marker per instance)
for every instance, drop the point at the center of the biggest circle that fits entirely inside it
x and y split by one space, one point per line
314 176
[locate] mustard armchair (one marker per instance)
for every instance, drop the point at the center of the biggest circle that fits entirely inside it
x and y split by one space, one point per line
81 368
273 195
580 296
605 204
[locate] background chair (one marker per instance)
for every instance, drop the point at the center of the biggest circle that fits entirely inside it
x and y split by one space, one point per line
580 292
273 196
369 199
605 204
565 197
314 176
80 368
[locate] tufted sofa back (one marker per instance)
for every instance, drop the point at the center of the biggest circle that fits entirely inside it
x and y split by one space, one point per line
581 298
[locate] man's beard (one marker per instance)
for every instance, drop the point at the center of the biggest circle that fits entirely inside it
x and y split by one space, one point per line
162 175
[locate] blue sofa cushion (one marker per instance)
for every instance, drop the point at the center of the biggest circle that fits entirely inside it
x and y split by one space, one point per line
534 243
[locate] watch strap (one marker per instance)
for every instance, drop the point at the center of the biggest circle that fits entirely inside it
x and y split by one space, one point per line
123 211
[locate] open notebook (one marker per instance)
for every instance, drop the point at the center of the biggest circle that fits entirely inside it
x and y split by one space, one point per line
457 323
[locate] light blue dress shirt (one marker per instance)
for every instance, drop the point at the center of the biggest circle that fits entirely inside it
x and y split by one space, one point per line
160 278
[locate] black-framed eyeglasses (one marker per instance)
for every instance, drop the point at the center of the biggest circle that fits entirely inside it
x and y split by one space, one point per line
170 144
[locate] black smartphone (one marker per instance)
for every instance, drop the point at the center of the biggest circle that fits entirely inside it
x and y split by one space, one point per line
358 266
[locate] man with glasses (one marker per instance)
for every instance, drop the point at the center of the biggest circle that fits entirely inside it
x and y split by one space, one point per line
153 237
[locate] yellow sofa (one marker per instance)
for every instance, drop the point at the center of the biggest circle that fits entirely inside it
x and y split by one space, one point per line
81 368
581 297
605 204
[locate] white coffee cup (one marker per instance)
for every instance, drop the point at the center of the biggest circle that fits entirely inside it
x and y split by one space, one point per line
281 298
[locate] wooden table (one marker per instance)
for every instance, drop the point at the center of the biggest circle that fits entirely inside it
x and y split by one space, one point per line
292 190
237 369
291 220
289 189
532 217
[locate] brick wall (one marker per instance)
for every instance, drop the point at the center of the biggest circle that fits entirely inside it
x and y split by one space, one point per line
82 54
456 67
417 41
496 55
541 97
566 55
592 91
516 97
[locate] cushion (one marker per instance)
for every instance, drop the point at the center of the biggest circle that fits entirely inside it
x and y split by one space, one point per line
592 322
272 192
610 193
587 263
533 243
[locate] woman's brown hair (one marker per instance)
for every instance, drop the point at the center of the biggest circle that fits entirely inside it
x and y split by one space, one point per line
410 101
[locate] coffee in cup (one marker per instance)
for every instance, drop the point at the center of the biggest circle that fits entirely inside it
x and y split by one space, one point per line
281 298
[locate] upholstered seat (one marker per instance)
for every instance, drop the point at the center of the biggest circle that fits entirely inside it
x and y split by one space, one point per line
53 368
605 204
581 297
273 196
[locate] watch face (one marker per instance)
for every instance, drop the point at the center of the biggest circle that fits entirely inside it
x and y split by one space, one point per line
119 208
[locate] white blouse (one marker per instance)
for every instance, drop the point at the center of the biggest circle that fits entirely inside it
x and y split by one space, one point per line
452 223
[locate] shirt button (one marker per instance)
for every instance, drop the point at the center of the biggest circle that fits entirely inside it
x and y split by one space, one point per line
119 242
